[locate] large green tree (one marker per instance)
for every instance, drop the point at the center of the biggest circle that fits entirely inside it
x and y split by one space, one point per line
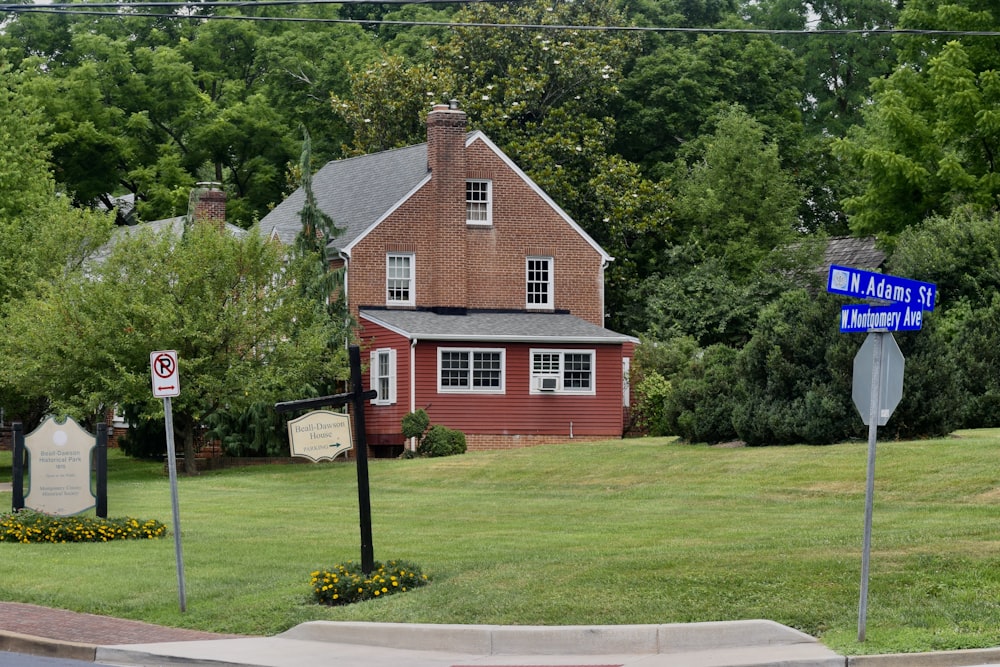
243 331
932 134
149 106
41 234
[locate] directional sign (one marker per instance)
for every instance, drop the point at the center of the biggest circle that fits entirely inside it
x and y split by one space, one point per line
867 285
862 317
166 379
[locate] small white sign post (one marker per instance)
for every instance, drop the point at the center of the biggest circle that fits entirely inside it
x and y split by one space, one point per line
166 384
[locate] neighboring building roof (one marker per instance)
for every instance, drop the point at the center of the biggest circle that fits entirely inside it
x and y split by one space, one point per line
857 253
173 225
493 327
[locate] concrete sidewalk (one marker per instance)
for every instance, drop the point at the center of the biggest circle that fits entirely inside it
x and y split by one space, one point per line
727 644
753 643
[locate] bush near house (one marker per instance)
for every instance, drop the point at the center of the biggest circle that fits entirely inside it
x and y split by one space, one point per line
434 440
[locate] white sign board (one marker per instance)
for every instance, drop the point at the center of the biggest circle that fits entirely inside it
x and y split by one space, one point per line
166 379
320 434
59 461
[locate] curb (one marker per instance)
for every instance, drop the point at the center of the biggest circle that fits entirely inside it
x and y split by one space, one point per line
671 638
963 658
16 642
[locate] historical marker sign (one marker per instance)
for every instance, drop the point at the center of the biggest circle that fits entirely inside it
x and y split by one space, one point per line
59 461
320 434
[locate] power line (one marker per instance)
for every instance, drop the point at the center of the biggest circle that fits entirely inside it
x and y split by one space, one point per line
124 10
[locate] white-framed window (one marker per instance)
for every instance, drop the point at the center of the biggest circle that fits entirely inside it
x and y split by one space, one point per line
479 202
471 370
382 371
399 283
563 372
539 283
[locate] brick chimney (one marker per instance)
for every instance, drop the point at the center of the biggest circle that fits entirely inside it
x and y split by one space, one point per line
446 161
207 203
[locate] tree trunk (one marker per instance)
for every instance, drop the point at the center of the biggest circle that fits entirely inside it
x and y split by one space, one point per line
190 465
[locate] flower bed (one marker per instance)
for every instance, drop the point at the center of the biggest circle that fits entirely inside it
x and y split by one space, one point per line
28 526
344 584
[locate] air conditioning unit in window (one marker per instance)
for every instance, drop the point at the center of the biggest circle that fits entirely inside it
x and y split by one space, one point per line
547 383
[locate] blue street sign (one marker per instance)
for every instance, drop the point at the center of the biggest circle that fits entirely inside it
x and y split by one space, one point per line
867 285
862 317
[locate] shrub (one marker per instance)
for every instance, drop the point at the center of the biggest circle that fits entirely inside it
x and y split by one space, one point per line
27 526
651 396
415 424
344 584
442 441
699 408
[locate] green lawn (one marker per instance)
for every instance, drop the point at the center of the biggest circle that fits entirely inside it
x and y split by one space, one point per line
636 531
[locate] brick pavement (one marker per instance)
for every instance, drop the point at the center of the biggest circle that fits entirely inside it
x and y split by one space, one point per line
69 626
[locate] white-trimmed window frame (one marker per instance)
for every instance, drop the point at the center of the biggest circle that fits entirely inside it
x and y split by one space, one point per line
554 365
382 375
470 370
390 276
479 202
531 280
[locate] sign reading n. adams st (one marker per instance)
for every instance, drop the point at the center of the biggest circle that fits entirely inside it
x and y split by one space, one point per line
868 285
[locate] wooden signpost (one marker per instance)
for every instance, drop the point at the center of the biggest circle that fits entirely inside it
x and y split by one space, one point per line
356 399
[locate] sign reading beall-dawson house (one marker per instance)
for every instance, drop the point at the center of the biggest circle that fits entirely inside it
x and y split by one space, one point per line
320 434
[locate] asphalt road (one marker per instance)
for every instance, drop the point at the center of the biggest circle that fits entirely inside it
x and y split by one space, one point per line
24 660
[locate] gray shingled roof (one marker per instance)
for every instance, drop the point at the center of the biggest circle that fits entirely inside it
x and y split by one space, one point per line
506 327
858 253
356 193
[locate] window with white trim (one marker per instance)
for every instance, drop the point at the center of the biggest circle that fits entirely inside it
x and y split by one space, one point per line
479 202
471 370
399 287
562 371
539 283
382 370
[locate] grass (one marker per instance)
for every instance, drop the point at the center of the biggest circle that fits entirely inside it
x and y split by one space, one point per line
636 531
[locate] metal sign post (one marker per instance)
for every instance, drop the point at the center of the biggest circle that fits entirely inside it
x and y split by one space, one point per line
908 300
168 417
873 419
166 384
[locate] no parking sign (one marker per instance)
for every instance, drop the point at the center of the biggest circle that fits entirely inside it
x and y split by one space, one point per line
166 379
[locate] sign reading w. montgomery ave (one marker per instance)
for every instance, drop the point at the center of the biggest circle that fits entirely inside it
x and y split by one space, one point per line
859 318
909 299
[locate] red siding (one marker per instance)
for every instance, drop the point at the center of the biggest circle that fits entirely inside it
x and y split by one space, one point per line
383 422
517 411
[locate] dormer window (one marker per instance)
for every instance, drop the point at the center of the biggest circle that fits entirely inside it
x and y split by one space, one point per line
479 202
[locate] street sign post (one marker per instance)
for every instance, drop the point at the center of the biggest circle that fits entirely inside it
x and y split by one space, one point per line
166 384
877 395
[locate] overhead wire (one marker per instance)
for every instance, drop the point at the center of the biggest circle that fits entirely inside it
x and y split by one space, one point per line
127 10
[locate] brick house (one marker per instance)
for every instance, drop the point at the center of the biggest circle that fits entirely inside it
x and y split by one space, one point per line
477 298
